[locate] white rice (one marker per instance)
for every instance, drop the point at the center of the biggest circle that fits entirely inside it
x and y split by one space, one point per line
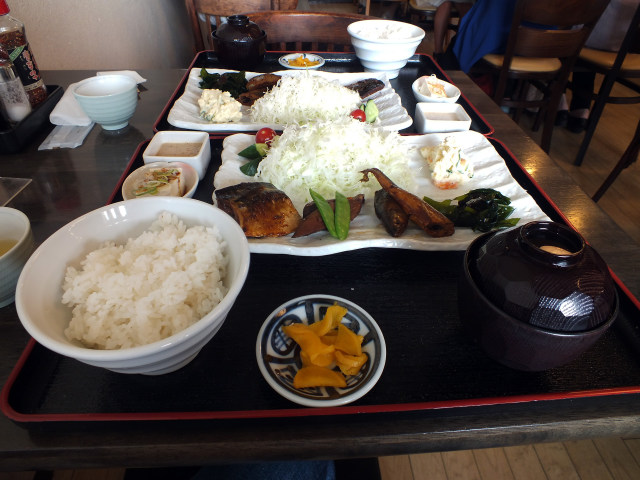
148 289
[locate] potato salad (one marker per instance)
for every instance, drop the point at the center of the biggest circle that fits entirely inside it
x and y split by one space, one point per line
448 168
217 106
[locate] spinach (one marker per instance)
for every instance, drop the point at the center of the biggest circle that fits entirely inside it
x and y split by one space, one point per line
233 82
482 209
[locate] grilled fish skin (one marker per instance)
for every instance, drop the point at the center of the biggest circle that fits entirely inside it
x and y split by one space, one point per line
248 98
260 209
262 82
420 212
394 219
367 87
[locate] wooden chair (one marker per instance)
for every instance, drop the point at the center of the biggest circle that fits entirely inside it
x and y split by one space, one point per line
214 10
542 56
307 31
616 67
629 156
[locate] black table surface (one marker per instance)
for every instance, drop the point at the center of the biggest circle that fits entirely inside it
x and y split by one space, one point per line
70 182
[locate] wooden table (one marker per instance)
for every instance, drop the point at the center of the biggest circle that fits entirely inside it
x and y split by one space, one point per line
68 183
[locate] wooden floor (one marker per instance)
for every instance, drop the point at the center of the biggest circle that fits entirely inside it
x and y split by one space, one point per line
600 459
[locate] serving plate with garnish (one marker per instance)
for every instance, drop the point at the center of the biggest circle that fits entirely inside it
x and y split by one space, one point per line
185 112
279 357
366 230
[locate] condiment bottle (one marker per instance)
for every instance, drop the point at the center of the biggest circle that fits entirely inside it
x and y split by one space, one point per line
13 97
14 40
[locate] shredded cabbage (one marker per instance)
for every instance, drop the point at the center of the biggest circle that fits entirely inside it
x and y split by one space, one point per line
328 157
304 98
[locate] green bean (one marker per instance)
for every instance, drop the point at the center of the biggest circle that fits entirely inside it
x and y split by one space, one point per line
326 212
342 216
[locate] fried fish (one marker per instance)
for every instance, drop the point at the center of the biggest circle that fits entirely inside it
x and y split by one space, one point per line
260 209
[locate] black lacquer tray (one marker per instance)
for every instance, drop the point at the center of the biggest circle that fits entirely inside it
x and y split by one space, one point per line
412 295
417 66
16 138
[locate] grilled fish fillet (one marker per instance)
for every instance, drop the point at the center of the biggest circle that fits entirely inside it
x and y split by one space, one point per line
260 209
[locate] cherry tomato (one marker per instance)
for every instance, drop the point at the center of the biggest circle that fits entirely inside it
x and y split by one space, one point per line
265 135
359 115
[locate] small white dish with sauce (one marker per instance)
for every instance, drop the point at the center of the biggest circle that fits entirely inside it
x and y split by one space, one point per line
188 147
441 118
188 179
422 92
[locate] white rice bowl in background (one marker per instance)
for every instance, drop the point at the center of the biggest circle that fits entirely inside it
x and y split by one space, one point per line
39 292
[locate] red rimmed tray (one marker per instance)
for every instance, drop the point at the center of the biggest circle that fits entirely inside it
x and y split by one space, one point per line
417 66
431 363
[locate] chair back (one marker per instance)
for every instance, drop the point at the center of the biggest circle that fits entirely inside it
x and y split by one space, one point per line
307 31
569 23
622 67
545 29
214 11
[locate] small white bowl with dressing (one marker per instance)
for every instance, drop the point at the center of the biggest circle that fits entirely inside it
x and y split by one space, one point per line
441 118
189 147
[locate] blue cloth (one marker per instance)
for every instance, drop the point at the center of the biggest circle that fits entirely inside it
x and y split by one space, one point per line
484 29
309 470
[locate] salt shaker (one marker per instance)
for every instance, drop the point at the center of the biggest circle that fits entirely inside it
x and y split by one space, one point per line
13 97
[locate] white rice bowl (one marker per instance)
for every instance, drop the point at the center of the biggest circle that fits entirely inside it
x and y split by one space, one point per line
196 316
152 287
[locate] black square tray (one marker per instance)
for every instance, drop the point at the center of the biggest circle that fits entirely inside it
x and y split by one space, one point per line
413 296
15 139
417 66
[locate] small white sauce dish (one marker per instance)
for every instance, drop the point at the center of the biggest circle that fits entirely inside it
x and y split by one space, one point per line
422 93
189 176
286 59
165 147
279 358
441 118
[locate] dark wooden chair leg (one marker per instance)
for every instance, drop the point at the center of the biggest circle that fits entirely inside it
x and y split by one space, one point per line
594 117
629 156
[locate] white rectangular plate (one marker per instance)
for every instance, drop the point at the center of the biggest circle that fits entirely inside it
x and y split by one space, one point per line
366 230
185 114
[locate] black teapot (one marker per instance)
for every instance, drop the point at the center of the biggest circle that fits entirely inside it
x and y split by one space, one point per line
239 43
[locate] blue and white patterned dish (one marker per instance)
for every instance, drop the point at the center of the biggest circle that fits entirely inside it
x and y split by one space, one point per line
285 59
279 356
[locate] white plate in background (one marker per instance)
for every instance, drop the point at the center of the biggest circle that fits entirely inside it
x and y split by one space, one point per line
185 113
